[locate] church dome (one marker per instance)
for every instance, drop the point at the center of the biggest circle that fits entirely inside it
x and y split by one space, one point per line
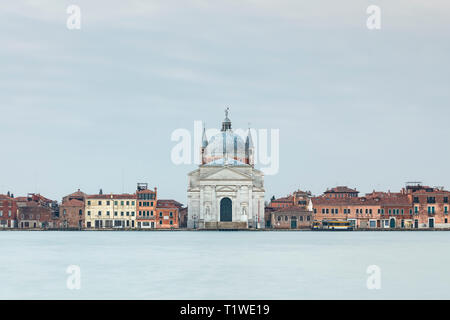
225 148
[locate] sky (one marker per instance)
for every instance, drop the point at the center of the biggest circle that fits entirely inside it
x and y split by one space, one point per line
96 107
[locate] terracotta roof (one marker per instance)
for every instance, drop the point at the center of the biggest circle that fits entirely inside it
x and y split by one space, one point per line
5 197
76 194
341 189
168 204
284 199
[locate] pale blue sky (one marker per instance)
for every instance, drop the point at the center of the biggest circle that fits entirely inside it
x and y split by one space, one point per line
95 108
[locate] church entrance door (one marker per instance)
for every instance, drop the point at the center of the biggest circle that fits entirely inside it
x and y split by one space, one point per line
225 210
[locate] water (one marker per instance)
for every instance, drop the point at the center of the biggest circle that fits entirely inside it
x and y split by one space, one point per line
224 265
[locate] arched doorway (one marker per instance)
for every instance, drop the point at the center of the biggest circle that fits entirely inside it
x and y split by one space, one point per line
392 223
226 213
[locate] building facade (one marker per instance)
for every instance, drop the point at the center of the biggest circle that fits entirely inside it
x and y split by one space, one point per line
110 211
226 191
8 211
168 214
146 207
293 217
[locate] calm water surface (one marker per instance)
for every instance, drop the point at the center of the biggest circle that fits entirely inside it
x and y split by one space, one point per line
224 265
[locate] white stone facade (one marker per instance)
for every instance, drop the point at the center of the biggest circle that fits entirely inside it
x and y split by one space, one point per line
226 190
243 185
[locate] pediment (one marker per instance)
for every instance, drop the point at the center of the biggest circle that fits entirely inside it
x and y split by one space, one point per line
225 189
226 173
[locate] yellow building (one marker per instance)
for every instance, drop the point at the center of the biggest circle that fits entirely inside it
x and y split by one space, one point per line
110 211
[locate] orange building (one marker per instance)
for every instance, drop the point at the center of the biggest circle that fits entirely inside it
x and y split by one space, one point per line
168 214
430 206
362 212
146 206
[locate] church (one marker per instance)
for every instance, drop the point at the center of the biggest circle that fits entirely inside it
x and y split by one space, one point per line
226 191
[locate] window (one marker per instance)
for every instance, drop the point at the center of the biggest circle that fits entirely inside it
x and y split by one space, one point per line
171 222
431 200
132 213
99 203
89 202
99 213
152 204
332 211
327 211
151 212
286 218
336 211
89 213
446 209
115 213
445 199
121 213
160 221
1 213
132 203
279 218
121 203
171 214
116 203
107 213
323 210
416 200
128 203
107 203
315 210
80 212
349 211
128 213
160 214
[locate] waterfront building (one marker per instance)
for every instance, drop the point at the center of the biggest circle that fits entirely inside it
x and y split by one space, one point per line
8 211
430 206
341 192
168 214
110 211
71 211
291 218
36 211
146 206
183 217
226 191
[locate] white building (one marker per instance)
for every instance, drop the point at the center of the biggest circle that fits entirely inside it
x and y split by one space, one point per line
226 191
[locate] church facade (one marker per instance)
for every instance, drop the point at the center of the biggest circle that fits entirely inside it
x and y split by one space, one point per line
226 191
